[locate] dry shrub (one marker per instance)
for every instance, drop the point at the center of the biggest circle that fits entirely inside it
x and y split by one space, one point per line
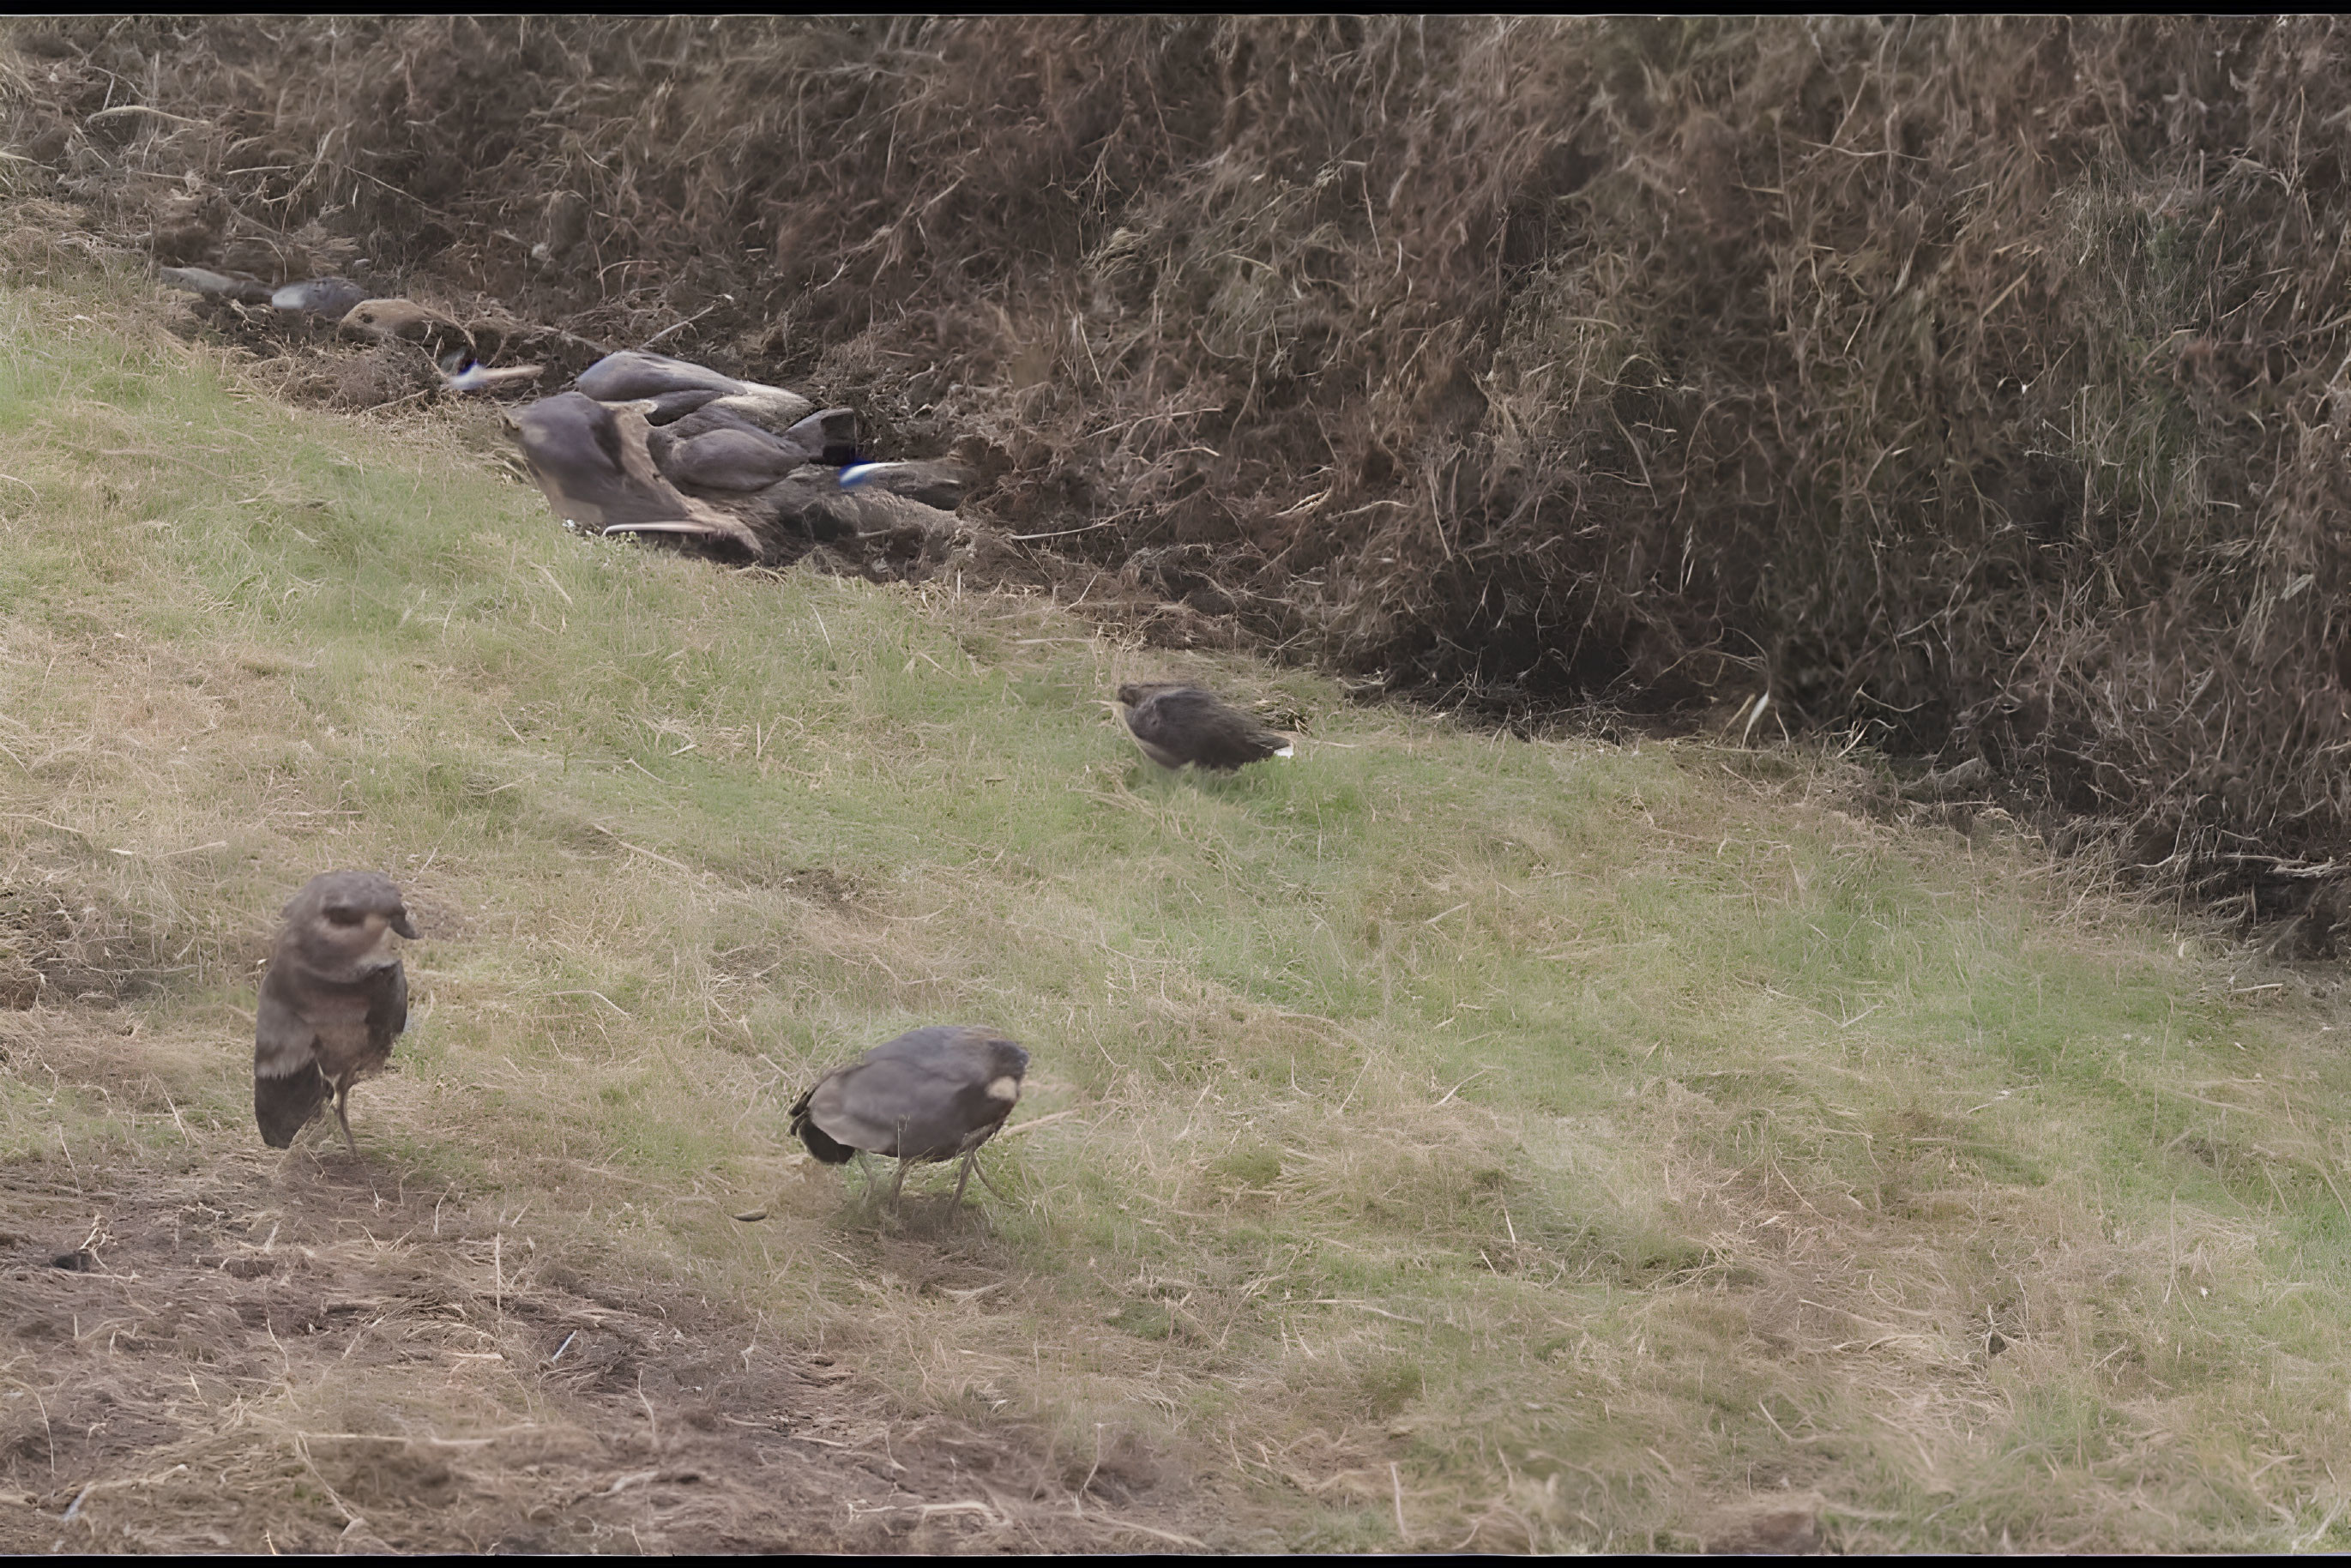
1975 380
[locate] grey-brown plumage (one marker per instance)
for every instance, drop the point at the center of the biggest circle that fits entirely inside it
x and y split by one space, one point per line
745 459
1176 724
930 1094
331 298
712 447
333 1001
593 461
629 374
235 287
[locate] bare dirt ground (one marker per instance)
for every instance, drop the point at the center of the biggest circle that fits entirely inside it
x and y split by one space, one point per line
197 1341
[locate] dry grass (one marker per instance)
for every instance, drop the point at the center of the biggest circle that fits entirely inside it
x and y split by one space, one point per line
1446 1138
1973 380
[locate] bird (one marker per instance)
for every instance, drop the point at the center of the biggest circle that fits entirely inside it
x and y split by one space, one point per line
629 374
935 484
1176 723
694 418
331 298
333 1001
827 436
723 459
383 321
478 377
235 287
672 406
590 459
930 1094
625 374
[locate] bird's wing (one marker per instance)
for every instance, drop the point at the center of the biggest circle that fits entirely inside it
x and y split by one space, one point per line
284 1043
607 441
388 1003
288 1087
895 1108
1215 733
651 498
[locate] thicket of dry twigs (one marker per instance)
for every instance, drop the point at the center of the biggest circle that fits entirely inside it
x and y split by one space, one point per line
1980 382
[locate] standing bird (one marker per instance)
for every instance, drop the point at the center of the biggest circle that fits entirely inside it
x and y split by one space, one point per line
334 1000
1176 724
929 1094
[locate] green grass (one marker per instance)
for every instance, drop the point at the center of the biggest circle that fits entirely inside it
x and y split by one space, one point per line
1597 1136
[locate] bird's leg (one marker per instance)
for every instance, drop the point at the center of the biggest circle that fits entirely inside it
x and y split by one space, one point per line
964 1178
984 1180
899 1182
872 1182
342 1096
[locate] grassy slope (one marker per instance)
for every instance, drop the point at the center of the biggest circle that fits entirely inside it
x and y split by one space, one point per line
1551 1138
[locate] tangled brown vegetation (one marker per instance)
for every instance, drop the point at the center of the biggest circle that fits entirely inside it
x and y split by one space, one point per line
1982 383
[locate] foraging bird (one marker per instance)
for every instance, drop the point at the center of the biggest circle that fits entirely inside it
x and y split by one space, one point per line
693 419
773 409
1176 724
333 1001
929 1094
715 447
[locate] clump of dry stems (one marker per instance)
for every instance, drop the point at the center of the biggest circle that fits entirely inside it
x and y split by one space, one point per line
1977 381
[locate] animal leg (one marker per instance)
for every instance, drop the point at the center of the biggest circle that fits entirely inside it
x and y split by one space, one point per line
964 1178
898 1183
984 1180
342 1097
869 1183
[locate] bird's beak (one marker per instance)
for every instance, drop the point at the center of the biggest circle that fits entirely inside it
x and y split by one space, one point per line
402 924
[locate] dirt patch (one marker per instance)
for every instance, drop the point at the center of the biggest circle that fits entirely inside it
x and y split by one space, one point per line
237 1350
